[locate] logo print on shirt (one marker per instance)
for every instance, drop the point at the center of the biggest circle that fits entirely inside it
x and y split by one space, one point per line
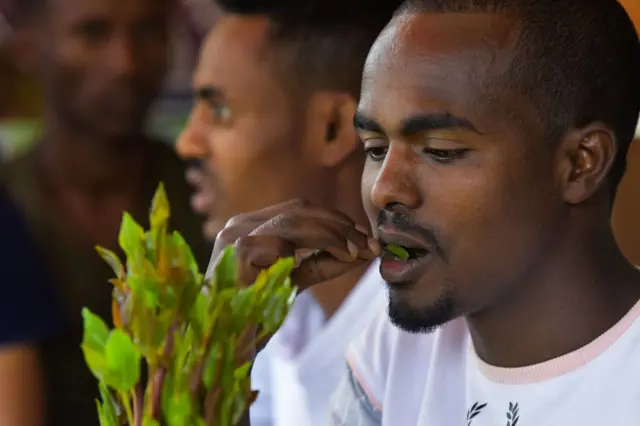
474 411
513 414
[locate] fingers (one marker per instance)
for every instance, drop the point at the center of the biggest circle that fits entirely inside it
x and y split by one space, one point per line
320 268
344 241
258 252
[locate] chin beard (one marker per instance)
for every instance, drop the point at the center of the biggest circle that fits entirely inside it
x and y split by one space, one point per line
420 320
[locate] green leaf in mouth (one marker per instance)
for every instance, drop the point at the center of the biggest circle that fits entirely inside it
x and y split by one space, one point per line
399 252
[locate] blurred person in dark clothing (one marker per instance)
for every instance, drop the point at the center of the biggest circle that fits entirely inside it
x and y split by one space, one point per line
101 64
26 316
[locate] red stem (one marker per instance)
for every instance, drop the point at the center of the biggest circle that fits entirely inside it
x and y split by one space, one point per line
137 405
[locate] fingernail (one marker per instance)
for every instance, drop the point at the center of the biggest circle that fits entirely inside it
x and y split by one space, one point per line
353 249
374 245
362 229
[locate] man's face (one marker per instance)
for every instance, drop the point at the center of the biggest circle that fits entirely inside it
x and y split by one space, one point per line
457 169
104 61
245 129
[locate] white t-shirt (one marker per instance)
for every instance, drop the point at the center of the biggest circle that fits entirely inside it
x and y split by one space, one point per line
300 368
438 380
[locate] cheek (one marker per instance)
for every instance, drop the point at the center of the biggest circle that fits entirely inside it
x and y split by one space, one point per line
369 176
253 170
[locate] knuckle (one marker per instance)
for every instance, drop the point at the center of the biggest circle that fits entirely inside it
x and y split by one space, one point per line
300 203
236 221
283 221
227 236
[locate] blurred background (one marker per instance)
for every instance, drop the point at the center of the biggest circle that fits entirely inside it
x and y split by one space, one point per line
20 105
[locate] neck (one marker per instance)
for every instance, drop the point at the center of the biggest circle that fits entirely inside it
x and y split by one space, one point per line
90 164
331 295
581 291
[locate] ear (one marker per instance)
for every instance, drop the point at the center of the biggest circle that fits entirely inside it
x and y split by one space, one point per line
335 135
587 157
23 48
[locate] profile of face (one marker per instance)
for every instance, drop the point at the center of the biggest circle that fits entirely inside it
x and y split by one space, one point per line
458 170
256 145
103 62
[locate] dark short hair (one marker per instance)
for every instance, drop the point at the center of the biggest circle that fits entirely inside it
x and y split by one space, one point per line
323 44
578 62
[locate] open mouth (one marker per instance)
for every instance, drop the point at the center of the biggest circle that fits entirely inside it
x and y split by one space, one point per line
404 253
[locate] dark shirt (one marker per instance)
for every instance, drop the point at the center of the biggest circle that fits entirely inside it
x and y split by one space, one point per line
28 311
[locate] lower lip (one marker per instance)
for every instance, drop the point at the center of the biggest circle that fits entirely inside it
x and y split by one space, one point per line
201 203
397 271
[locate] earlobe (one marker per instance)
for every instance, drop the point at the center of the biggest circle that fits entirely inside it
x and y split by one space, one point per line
590 155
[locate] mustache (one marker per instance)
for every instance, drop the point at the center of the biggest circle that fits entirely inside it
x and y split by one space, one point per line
405 222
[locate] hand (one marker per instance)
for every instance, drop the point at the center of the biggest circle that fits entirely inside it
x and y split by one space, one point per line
326 243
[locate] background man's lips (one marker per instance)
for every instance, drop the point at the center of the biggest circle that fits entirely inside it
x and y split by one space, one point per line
202 202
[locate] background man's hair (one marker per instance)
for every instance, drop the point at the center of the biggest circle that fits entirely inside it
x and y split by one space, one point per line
578 61
320 44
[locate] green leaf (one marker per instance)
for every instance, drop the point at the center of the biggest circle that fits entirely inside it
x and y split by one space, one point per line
109 408
243 371
94 340
226 271
397 251
211 365
189 260
160 210
150 421
279 271
131 236
239 407
112 260
242 304
123 361
180 409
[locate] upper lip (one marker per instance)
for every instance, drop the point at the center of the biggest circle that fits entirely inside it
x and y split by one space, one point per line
391 235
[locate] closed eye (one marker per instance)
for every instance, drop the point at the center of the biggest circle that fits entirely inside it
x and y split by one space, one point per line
446 155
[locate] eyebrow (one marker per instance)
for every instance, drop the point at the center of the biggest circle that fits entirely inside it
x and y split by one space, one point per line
418 124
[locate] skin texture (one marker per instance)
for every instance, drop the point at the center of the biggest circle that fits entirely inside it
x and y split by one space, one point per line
518 227
259 144
21 402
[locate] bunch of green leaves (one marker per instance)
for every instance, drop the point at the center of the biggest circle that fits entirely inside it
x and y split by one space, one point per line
173 356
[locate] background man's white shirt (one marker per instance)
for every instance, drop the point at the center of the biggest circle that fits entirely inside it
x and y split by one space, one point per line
300 368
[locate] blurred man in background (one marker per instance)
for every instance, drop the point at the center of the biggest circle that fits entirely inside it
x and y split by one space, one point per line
101 64
277 86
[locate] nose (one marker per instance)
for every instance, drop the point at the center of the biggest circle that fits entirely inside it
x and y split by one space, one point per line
192 142
396 182
122 57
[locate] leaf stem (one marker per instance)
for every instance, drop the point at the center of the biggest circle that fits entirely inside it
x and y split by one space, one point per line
124 396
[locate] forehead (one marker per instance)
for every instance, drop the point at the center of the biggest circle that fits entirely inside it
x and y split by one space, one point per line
64 11
438 62
234 59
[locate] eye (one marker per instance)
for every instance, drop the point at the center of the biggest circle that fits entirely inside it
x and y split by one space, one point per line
446 155
376 153
221 112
